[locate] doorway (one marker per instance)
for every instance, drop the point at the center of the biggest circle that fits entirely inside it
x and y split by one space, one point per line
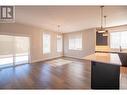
14 50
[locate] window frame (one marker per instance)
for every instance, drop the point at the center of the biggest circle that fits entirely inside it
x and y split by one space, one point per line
119 38
46 33
79 37
59 39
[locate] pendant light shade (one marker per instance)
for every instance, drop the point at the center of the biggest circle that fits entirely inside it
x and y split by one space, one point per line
102 29
58 26
106 31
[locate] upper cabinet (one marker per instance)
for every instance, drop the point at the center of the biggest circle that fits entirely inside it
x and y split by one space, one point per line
100 39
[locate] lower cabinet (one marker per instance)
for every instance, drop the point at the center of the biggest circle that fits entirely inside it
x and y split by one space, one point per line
104 76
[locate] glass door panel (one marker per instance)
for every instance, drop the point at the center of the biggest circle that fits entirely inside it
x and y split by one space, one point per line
6 51
14 50
21 50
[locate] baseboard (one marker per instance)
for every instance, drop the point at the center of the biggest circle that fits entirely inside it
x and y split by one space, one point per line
46 59
72 57
79 59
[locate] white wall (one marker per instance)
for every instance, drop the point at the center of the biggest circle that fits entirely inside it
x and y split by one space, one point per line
88 44
35 35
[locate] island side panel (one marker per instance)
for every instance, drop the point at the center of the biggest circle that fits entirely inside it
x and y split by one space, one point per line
104 75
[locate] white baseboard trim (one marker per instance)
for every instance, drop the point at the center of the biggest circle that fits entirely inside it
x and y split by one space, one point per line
73 57
39 60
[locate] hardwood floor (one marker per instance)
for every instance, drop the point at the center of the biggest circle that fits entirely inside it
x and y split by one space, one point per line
123 78
44 75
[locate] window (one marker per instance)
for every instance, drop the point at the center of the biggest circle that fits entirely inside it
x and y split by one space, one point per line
59 43
75 42
118 39
46 43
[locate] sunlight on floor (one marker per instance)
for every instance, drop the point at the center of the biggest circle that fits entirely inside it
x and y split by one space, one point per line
123 78
59 62
5 62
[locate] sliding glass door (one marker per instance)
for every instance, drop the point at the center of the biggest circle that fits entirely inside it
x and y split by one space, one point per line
21 50
6 50
14 50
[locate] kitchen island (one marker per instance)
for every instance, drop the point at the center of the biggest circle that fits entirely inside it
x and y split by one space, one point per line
122 56
105 70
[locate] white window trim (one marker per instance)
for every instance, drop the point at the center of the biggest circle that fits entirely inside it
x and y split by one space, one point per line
76 49
61 38
45 53
110 41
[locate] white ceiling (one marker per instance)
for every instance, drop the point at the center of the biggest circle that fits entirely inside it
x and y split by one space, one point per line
71 18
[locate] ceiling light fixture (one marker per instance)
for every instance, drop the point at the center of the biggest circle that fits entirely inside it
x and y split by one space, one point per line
101 29
59 29
106 31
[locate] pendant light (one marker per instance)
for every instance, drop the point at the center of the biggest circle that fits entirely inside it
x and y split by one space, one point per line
106 31
58 26
101 29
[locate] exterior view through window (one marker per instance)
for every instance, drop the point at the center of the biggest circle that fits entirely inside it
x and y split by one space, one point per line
118 39
46 43
59 43
14 50
75 42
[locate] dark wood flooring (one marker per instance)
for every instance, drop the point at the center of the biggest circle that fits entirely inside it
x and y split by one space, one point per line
42 75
